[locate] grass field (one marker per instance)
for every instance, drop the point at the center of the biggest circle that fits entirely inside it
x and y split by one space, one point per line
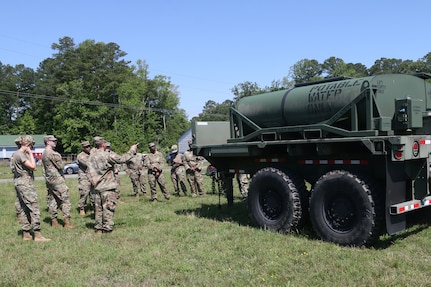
198 242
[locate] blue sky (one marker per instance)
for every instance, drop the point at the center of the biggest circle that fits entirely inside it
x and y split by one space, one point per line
208 47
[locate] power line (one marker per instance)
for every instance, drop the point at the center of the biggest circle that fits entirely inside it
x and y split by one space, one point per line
91 103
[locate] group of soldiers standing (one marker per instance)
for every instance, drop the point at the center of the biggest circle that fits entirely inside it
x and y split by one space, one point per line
141 167
150 166
190 165
98 181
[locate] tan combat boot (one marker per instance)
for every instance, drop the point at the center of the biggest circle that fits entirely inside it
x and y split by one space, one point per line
82 212
39 238
68 225
54 223
26 235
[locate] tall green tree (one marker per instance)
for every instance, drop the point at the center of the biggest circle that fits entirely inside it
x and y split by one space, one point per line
245 89
392 66
14 82
213 111
89 89
336 67
306 70
158 117
423 65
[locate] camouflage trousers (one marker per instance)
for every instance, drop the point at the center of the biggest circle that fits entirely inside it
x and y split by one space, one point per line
58 197
139 182
160 180
196 181
27 207
105 203
243 181
117 190
178 179
18 208
84 187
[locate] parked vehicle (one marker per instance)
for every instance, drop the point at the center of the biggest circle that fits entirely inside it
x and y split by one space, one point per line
71 168
362 144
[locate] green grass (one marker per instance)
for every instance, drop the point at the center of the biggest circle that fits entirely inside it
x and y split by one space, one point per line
6 173
197 242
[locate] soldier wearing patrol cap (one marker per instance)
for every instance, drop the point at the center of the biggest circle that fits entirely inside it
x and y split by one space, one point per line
137 174
194 164
154 161
58 192
101 172
23 165
177 170
84 184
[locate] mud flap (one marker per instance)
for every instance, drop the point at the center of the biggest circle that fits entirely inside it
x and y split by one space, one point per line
395 193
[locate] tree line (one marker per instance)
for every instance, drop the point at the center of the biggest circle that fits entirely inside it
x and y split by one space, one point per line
89 89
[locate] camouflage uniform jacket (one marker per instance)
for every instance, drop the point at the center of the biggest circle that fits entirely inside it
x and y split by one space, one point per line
177 160
82 160
101 168
192 161
52 166
21 173
154 162
136 163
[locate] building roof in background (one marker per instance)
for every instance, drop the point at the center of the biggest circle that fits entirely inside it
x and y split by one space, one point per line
9 140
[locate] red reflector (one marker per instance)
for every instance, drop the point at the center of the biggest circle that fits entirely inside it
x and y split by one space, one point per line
402 209
416 205
398 155
415 149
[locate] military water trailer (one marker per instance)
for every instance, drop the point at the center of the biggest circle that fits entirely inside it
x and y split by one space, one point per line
362 144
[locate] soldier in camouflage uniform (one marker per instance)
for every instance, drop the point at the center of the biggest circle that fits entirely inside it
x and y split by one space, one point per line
175 160
194 165
84 185
18 208
101 168
116 172
154 161
58 192
136 171
23 165
243 181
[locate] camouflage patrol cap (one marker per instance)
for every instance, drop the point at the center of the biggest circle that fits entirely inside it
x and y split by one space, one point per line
108 144
85 143
151 144
98 140
174 148
27 140
49 138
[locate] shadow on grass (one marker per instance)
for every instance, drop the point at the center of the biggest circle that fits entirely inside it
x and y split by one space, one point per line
416 222
238 213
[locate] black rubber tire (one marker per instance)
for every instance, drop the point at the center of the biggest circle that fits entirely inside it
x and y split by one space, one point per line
69 170
273 201
343 211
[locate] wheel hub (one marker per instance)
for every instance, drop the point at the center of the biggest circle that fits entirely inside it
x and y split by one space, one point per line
340 214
